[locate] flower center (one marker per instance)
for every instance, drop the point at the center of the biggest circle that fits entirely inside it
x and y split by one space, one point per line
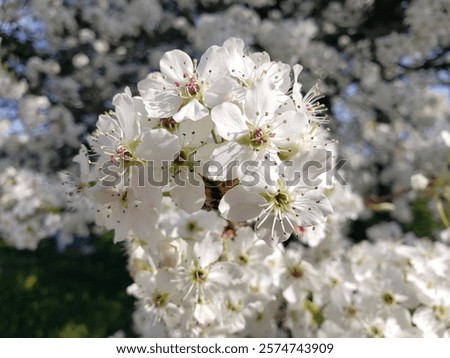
160 299
124 154
184 159
388 298
439 312
257 138
181 158
260 136
199 275
168 123
192 226
193 87
375 332
124 199
243 259
259 316
334 281
296 271
232 306
281 199
350 311
311 105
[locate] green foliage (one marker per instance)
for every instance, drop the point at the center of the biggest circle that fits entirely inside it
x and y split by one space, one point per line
48 294
423 222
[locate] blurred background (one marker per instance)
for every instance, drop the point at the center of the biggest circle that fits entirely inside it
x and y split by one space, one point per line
384 72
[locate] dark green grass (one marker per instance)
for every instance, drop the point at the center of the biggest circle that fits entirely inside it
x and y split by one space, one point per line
44 293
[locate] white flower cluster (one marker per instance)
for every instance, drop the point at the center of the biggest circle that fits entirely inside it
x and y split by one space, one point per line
32 210
231 134
33 202
23 197
198 134
233 122
198 276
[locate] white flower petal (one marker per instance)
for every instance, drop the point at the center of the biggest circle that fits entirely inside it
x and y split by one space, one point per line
224 273
148 195
193 110
208 250
234 45
83 161
189 193
273 233
290 127
305 167
229 120
425 319
214 64
107 124
219 92
124 108
153 80
102 194
224 161
312 208
161 103
239 204
176 65
158 145
143 220
260 99
121 232
290 295
194 134
204 313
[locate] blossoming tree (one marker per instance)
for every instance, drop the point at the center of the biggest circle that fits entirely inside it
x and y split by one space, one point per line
218 161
